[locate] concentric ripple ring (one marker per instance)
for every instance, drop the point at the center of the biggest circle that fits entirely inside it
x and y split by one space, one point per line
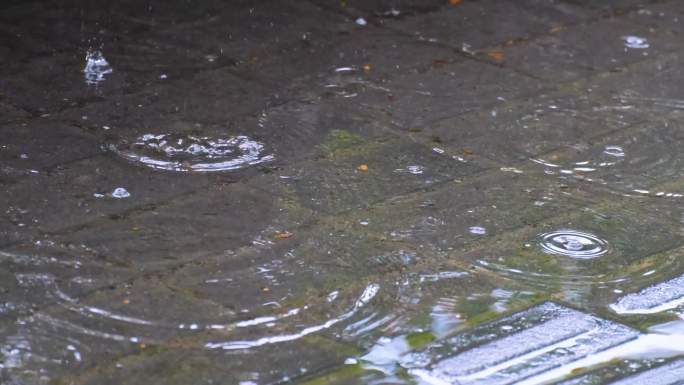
574 244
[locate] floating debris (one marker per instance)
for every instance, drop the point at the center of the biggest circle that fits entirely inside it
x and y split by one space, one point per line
283 235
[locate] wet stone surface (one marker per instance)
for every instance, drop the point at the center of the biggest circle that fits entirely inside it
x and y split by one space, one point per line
341 192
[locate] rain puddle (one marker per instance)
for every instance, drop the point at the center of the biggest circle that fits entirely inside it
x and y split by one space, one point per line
174 152
440 235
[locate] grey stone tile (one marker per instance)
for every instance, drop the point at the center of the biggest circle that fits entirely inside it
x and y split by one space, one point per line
187 228
180 366
566 55
81 192
471 211
529 127
476 25
361 175
623 162
40 145
634 245
445 91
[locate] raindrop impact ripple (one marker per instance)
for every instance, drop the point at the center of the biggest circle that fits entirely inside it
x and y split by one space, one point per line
574 244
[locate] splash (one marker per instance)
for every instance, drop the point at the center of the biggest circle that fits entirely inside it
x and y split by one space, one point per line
96 67
193 153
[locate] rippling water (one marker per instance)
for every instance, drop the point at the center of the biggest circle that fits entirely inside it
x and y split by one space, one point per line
407 225
573 244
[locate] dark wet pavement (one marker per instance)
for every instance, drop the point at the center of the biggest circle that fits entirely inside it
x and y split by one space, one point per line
341 192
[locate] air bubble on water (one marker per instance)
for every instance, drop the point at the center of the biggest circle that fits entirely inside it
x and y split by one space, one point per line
573 244
120 193
96 67
361 21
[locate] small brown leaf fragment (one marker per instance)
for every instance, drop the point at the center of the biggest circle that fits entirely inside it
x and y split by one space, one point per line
363 168
467 152
126 301
439 63
455 2
283 234
366 67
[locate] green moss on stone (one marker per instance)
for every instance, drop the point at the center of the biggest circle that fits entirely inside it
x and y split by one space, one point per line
418 340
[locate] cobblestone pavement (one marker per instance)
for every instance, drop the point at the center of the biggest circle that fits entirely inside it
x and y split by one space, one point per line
341 192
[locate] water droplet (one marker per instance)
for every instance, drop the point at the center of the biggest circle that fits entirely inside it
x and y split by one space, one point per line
478 230
415 169
636 42
96 67
573 244
616 151
192 153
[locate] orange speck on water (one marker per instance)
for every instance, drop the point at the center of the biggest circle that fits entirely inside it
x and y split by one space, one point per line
497 56
283 234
